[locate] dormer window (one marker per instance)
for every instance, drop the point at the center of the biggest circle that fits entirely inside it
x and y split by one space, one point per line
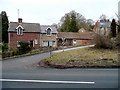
48 32
19 30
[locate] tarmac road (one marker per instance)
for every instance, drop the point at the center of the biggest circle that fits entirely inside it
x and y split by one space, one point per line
102 78
24 72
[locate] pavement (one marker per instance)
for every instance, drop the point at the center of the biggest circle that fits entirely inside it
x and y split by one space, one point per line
24 72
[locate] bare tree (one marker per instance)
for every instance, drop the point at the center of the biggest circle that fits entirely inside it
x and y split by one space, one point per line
103 17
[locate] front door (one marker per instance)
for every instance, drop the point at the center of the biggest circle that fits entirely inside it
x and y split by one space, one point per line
31 43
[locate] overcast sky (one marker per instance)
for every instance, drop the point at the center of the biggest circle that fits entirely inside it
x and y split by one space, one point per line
48 12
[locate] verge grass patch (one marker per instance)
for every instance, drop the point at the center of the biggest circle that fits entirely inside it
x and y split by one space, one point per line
85 57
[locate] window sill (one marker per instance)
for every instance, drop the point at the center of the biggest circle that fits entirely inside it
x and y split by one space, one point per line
49 35
19 35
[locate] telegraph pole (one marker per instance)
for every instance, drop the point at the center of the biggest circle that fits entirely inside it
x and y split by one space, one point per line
18 13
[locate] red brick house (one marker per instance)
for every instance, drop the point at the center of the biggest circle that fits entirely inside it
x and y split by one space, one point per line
22 31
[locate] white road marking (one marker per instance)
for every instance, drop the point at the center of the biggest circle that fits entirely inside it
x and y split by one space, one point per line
46 81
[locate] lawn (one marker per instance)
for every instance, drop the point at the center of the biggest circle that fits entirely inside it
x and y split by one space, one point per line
85 57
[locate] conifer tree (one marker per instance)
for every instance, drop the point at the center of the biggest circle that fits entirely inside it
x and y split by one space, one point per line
113 28
5 24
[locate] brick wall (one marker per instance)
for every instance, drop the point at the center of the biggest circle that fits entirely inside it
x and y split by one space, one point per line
44 37
13 38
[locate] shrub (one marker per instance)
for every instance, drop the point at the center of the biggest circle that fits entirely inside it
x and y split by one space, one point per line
117 43
24 48
5 50
1 44
102 41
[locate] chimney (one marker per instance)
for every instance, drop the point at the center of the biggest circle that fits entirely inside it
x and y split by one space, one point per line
19 20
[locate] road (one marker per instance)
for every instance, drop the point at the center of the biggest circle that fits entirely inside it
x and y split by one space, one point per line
102 78
24 72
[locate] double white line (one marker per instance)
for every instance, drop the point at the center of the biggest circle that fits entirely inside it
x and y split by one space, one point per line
45 81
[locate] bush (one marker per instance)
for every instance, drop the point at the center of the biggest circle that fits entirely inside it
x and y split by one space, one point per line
24 48
5 50
1 44
102 42
117 43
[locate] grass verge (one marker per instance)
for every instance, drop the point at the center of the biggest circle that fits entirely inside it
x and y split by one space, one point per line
85 57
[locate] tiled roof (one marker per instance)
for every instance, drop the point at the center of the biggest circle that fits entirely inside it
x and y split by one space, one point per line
72 35
28 27
43 28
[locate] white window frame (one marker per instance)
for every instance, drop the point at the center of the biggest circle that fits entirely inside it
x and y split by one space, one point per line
54 43
50 31
50 43
36 41
18 45
19 31
44 43
74 41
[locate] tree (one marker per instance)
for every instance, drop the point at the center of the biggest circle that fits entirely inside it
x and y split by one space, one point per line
73 21
70 22
65 23
5 25
0 28
118 16
103 17
113 28
89 24
73 25
118 26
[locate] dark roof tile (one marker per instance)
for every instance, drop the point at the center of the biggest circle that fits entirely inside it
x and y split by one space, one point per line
28 27
72 35
43 28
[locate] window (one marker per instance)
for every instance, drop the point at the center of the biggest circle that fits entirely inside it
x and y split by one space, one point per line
74 41
48 32
45 43
19 31
54 44
36 41
50 43
18 45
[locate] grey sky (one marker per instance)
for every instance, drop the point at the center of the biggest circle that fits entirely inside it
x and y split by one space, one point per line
51 11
